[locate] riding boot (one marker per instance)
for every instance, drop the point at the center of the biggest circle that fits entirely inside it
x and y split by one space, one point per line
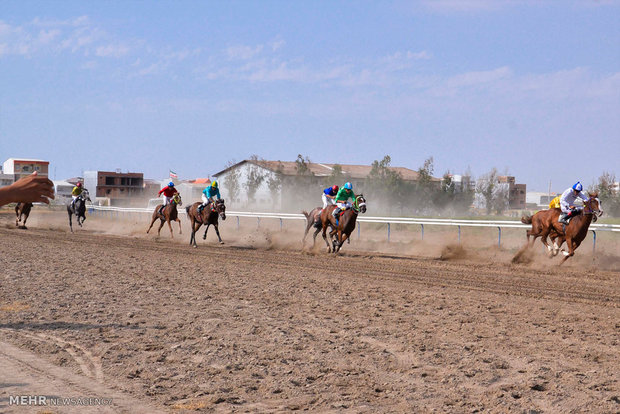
200 207
564 218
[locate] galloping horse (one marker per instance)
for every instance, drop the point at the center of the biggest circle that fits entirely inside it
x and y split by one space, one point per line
169 214
208 216
313 219
79 209
345 225
574 233
22 209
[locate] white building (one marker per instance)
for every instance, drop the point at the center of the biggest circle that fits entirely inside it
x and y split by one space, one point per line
21 167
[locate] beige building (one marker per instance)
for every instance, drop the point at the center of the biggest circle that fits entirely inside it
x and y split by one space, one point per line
21 167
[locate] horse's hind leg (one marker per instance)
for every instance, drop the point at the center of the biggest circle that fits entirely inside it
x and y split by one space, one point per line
314 237
179 220
170 227
70 222
161 224
152 222
204 237
25 219
329 248
17 218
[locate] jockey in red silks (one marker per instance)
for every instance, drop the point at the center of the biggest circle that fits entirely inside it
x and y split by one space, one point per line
169 191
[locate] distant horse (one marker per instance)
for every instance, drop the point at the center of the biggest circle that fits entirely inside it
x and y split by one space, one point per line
168 214
208 216
79 209
345 225
22 210
573 233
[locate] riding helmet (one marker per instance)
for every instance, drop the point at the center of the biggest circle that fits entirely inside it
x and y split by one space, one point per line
170 184
348 186
578 186
214 184
78 184
335 188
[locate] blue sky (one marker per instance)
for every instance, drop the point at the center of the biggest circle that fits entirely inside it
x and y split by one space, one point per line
529 87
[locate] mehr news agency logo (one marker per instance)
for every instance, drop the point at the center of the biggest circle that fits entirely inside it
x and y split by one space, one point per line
48 400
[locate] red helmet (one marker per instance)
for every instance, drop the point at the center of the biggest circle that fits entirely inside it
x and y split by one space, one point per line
78 184
335 188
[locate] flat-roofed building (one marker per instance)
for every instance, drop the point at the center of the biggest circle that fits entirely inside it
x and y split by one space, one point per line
121 188
21 167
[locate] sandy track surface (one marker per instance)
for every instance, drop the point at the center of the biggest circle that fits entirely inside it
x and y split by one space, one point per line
264 330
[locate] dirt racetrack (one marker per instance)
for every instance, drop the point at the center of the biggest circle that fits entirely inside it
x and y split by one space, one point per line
260 328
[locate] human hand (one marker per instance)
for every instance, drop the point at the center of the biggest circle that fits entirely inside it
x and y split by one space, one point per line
31 189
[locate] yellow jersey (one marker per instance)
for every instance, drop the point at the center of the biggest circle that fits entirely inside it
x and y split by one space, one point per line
555 203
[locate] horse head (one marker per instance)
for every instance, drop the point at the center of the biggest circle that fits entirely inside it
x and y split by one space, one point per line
360 203
220 207
176 199
593 206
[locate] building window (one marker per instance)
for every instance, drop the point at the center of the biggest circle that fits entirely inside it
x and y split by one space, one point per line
108 191
26 168
109 181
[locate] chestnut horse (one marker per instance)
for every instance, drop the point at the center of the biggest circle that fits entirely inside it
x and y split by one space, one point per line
208 216
79 209
345 225
22 210
574 233
313 219
169 214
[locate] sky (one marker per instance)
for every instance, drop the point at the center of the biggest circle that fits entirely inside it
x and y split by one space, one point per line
530 87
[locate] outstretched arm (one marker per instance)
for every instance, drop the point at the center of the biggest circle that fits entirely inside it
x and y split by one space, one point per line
30 189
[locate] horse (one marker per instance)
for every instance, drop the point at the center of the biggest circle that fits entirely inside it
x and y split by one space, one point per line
542 226
78 208
345 225
22 210
313 219
208 216
168 214
545 223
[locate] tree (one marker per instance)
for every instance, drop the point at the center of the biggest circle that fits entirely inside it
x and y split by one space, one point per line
302 165
609 197
231 181
383 183
274 183
255 179
494 195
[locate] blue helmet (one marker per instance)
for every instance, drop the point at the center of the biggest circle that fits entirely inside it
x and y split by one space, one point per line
170 184
578 186
348 186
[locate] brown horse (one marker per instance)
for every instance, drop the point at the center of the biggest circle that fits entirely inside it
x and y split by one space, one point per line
547 224
345 225
22 210
313 219
169 214
208 216
542 226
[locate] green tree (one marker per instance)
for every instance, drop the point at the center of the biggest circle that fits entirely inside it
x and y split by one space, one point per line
255 178
610 198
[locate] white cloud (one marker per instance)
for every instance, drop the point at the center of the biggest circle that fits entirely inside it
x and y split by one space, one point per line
112 51
243 52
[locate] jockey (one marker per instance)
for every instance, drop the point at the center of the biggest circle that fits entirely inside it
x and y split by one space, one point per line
76 192
329 196
342 198
169 191
209 194
567 201
555 203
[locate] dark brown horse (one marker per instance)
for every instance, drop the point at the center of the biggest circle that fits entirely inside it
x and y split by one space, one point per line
573 233
208 216
169 214
78 208
22 210
345 226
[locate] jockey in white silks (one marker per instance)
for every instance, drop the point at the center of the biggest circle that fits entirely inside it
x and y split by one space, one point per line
567 202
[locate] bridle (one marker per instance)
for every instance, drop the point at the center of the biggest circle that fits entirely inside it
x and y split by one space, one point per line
357 205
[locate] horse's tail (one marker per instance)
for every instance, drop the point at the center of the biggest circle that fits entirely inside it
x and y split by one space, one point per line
305 213
187 209
526 219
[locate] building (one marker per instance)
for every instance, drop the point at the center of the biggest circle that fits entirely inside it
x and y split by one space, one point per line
516 192
272 190
538 199
122 189
62 189
462 183
21 167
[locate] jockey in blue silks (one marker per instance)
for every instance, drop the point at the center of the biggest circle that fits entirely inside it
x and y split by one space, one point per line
567 202
209 194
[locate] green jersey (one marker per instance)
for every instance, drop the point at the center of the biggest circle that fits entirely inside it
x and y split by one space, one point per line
344 194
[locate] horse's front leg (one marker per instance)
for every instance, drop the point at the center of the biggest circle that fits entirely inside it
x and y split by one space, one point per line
25 219
170 227
152 222
161 224
329 248
571 250
217 231
179 220
204 237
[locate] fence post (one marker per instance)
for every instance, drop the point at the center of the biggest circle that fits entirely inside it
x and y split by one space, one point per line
258 222
359 225
422 231
237 222
593 242
499 236
280 224
388 232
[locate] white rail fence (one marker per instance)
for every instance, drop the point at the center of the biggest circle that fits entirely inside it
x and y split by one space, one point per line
498 224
